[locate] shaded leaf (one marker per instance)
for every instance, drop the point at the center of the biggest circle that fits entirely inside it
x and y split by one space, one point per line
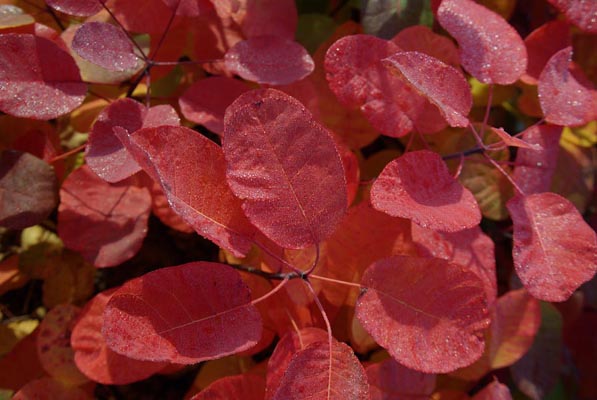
22 364
543 43
494 391
157 317
385 18
205 101
428 313
53 345
269 60
565 95
439 83
290 344
105 222
72 280
580 12
81 8
535 167
10 275
486 40
28 189
105 45
555 251
389 380
418 186
94 358
358 78
538 371
422 39
286 168
318 372
150 16
270 17
38 79
246 386
196 187
48 388
189 8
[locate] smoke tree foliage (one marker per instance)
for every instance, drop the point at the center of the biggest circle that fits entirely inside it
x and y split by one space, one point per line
278 199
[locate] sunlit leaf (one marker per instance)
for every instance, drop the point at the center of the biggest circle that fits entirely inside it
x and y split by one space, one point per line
428 313
555 251
38 79
418 186
486 40
286 168
157 317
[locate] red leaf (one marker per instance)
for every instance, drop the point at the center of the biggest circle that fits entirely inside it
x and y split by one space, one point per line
157 316
190 8
271 60
422 39
494 391
47 388
566 96
555 251
270 17
195 186
392 381
205 102
22 364
490 49
290 344
418 186
286 168
150 16
162 210
428 313
580 12
358 78
28 189
543 43
105 222
53 345
95 359
105 45
38 79
245 386
470 248
105 154
535 168
320 373
439 83
81 8
513 141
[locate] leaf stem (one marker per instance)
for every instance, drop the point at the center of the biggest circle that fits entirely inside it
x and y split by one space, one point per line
265 274
68 153
332 280
271 292
507 175
133 41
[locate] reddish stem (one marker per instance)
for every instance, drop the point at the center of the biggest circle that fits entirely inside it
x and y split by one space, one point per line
68 153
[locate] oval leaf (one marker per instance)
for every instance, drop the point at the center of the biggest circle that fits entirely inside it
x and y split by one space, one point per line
428 313
38 79
566 96
391 381
440 83
114 218
320 373
271 60
158 317
555 251
246 387
490 49
418 186
105 45
494 391
196 185
28 189
580 12
81 8
543 43
286 168
95 359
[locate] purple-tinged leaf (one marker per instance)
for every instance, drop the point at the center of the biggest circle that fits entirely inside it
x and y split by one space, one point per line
80 8
246 386
582 13
543 43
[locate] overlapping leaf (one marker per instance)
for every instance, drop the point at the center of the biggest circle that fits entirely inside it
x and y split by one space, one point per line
358 78
580 12
269 59
566 96
28 189
490 49
318 372
439 83
246 386
114 217
389 380
428 313
105 45
94 358
50 388
422 39
82 8
196 186
157 317
38 79
494 391
418 186
285 167
543 43
555 251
